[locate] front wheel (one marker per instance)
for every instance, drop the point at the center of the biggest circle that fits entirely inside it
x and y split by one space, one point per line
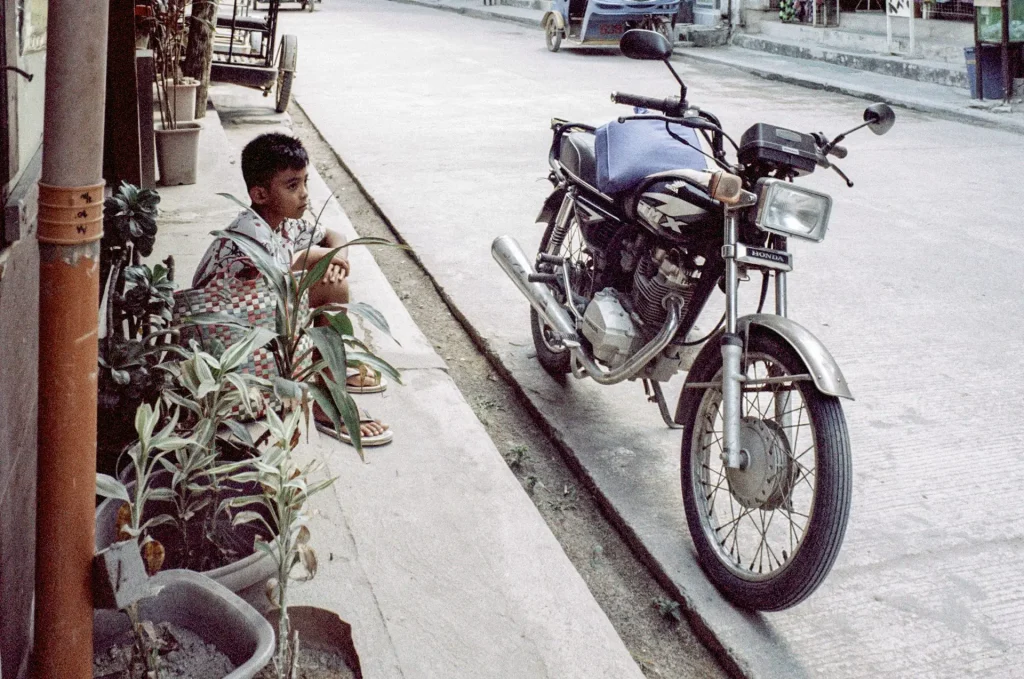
766 534
552 35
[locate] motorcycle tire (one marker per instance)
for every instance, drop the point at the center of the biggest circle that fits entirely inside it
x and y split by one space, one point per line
770 562
555 359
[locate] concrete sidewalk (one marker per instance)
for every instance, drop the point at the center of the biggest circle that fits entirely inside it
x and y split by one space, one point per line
431 549
949 102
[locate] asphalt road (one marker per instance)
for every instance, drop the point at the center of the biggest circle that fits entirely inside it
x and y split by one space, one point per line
916 291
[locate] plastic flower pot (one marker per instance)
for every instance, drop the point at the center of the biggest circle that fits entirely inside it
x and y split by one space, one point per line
177 153
194 602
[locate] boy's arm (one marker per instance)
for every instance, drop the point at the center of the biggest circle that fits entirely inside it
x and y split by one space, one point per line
332 239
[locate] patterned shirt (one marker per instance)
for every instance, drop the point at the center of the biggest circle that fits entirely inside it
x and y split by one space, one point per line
224 258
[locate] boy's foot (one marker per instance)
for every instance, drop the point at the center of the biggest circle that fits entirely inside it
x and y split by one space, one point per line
372 432
365 381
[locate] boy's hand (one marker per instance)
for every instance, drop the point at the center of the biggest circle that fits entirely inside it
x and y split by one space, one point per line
336 272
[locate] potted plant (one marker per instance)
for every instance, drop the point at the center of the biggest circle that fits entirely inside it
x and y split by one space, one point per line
204 390
135 314
177 135
286 489
187 600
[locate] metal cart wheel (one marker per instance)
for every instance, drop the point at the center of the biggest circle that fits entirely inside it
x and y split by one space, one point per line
286 64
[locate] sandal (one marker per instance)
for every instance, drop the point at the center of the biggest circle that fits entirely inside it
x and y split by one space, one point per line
367 441
374 385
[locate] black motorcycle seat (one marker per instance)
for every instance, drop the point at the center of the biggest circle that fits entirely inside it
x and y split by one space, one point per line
578 157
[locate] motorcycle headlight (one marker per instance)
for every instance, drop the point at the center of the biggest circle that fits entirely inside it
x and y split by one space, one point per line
791 210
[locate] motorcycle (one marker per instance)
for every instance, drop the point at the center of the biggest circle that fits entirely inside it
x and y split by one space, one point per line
642 227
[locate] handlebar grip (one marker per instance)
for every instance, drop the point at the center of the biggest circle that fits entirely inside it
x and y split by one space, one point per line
642 102
838 151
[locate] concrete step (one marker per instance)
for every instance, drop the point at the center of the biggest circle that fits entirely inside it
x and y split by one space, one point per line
935 45
542 5
922 70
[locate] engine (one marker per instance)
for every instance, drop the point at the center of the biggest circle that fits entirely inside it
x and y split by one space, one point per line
617 324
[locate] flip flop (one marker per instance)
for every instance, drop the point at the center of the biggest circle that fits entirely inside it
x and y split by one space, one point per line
380 384
367 441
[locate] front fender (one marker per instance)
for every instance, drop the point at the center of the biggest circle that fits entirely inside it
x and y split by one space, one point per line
825 372
559 19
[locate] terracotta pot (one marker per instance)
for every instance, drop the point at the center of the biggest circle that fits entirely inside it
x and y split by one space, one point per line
177 154
321 630
195 602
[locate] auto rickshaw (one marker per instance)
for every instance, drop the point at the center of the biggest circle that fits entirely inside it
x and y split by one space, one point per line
602 22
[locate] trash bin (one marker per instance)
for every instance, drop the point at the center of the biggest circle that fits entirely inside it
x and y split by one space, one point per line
991 71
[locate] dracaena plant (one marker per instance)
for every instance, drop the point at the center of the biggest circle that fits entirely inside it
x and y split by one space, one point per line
208 389
144 458
286 488
314 348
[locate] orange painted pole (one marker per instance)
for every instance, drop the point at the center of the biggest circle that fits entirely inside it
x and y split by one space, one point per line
69 228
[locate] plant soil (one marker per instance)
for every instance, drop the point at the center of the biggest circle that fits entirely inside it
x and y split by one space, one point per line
183 655
649 622
315 664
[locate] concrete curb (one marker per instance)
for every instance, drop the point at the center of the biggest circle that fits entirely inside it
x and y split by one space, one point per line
492 12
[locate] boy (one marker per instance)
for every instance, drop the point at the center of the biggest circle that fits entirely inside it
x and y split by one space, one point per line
274 168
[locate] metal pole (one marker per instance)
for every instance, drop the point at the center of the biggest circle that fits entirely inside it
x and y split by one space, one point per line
70 226
1007 79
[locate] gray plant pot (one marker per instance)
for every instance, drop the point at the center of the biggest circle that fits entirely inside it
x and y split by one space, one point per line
195 602
177 153
246 577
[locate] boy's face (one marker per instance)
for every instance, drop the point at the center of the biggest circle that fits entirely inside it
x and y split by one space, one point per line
285 197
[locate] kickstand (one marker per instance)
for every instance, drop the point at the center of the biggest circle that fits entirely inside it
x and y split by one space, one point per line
655 395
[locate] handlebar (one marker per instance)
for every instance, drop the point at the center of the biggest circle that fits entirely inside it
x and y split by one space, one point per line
671 106
838 151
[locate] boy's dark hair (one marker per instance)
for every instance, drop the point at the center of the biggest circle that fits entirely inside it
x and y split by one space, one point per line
268 154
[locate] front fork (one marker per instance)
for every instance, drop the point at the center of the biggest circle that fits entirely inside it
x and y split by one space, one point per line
733 373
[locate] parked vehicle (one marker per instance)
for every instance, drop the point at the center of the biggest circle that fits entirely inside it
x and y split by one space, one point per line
247 51
604 22
643 226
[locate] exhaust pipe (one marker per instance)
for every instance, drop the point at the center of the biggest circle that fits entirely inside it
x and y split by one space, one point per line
513 261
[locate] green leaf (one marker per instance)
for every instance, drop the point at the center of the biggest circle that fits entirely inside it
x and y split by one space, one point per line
315 274
238 353
287 390
356 358
240 432
331 347
160 494
375 317
214 318
349 413
260 258
108 486
341 323
246 517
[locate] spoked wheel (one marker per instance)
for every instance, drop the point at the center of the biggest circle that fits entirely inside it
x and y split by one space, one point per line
552 35
668 29
767 534
287 61
551 353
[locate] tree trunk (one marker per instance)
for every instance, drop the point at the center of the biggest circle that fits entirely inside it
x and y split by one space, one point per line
199 53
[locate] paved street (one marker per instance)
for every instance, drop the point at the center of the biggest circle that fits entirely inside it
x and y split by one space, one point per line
916 291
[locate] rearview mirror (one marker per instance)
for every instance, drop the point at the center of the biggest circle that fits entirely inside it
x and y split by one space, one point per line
647 45
880 118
